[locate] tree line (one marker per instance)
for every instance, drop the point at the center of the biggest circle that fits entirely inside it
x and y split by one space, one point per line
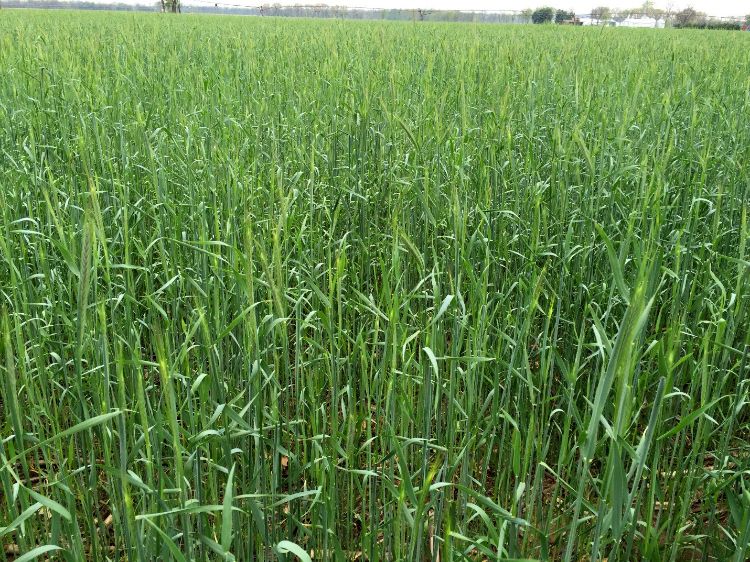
604 15
278 10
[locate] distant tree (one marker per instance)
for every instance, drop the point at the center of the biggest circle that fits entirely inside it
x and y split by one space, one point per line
563 15
649 9
601 13
422 14
658 14
527 13
171 6
543 15
686 17
620 15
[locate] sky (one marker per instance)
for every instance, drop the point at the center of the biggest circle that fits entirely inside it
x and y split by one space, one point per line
711 7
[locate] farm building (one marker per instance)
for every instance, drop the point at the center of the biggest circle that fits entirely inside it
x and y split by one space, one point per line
643 21
633 21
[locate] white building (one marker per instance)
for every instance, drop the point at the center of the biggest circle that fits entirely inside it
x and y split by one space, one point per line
642 21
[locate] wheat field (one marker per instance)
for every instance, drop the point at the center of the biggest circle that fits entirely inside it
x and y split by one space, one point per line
278 289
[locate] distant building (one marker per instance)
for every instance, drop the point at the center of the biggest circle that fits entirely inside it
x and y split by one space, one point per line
633 21
586 20
643 21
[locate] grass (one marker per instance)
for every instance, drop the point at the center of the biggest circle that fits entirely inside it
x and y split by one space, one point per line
294 290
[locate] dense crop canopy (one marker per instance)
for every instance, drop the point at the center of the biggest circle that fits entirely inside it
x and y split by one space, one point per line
278 289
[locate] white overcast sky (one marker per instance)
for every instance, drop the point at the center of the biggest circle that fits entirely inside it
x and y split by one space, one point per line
711 7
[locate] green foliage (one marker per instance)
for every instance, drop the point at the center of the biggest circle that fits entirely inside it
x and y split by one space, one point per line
686 17
563 15
279 289
543 15
601 13
710 24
